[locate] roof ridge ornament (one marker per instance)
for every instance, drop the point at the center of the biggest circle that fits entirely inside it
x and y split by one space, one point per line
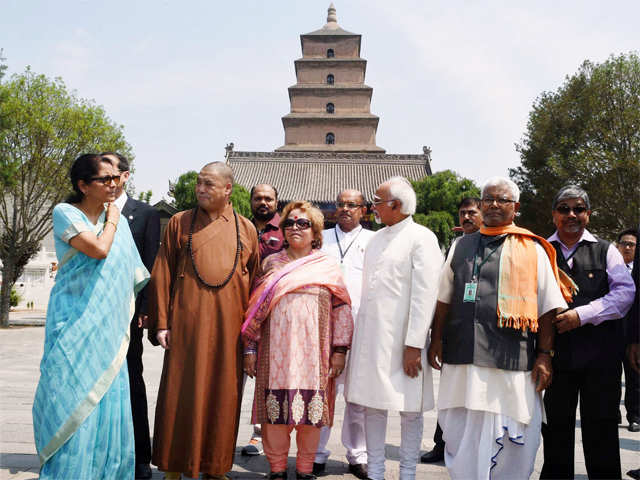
332 18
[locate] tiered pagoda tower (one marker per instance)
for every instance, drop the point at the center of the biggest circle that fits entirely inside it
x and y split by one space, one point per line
330 103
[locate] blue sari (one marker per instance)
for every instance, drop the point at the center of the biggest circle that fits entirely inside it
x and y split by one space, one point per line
82 410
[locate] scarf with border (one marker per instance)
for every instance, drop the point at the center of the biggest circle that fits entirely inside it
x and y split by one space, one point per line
518 277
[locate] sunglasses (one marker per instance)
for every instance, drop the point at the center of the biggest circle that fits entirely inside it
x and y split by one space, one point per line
301 223
107 179
564 210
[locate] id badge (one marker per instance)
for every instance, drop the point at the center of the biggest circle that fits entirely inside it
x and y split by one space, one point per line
470 290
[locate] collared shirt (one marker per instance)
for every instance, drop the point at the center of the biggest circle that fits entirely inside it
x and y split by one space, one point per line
353 245
270 239
617 302
120 201
630 266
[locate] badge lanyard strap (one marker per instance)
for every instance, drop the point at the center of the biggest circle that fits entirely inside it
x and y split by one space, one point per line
342 255
476 267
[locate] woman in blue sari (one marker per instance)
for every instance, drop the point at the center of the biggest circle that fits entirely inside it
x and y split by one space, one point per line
82 411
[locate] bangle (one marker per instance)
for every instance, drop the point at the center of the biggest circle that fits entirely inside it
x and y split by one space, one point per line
112 223
551 352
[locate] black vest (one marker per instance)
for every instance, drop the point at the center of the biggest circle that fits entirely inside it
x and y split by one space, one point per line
588 343
471 334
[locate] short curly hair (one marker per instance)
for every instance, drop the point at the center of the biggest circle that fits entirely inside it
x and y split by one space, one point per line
315 215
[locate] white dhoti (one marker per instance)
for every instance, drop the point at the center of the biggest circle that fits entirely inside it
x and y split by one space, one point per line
488 446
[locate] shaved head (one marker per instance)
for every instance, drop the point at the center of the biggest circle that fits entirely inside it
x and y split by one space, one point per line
221 169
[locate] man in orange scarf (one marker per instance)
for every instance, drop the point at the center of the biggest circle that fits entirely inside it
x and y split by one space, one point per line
493 339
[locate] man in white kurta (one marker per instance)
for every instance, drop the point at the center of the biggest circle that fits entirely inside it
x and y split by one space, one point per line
346 242
491 417
387 368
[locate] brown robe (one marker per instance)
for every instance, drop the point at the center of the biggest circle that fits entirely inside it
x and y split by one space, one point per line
198 408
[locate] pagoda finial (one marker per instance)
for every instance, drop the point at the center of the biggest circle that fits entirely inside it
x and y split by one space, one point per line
332 17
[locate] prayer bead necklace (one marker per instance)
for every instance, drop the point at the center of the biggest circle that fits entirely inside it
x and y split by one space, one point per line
193 260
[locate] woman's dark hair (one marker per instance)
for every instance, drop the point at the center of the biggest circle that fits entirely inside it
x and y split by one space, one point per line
84 168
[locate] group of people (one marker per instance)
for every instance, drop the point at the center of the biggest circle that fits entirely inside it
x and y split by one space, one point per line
309 311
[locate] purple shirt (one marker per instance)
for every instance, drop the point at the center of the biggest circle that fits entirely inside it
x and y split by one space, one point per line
617 302
270 239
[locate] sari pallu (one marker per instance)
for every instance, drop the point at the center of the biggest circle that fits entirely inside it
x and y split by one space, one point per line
81 411
307 295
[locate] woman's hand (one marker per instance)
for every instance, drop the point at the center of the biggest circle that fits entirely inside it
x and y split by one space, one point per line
112 214
337 362
250 360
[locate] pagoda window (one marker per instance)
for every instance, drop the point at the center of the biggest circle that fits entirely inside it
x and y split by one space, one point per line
330 53
330 79
331 108
330 139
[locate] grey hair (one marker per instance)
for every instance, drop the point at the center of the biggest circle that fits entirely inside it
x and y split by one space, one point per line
571 191
400 189
502 182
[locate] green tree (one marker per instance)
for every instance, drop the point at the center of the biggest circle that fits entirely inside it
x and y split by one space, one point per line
183 192
438 197
588 133
44 127
145 196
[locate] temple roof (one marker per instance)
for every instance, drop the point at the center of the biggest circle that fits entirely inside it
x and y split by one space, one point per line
319 177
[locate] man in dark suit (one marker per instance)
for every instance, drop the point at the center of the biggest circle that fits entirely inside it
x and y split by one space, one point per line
144 222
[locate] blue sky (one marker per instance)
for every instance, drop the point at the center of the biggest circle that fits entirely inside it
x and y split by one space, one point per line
187 77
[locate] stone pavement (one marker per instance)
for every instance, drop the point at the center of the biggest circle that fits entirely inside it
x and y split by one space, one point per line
20 354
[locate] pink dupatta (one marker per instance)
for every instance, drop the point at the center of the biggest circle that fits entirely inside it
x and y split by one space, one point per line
314 269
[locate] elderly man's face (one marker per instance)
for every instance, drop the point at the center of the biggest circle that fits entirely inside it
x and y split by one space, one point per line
383 205
212 190
498 206
627 247
571 216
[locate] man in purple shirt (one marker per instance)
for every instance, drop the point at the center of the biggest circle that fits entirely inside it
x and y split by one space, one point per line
588 353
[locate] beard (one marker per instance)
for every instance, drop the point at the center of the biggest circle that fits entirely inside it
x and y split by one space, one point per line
263 217
377 219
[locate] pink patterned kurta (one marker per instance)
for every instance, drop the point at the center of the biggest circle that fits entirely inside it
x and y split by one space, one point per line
296 340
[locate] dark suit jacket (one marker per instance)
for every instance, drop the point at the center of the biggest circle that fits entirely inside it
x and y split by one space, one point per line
633 318
144 222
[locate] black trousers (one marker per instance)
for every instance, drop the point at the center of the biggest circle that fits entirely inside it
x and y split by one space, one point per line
138 394
598 387
631 392
437 437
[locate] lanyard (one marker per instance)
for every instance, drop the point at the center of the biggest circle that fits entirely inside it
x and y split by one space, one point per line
342 255
476 267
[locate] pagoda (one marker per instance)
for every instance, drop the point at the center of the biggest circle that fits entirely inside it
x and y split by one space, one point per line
330 132
330 103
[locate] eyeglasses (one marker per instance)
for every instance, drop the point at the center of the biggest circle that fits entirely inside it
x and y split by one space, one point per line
565 209
301 223
348 205
627 244
503 202
107 179
378 201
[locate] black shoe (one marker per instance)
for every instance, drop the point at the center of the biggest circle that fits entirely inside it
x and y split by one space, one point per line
434 456
359 470
278 475
318 468
634 427
143 471
307 476
619 418
634 474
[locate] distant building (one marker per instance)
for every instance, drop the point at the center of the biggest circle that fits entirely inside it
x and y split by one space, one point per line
330 132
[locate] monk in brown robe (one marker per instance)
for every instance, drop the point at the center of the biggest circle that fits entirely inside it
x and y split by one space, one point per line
199 291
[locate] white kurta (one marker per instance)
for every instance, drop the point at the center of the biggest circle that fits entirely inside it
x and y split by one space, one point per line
399 292
353 245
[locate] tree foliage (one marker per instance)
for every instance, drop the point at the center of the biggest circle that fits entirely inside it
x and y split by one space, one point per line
43 128
438 197
145 196
587 132
183 192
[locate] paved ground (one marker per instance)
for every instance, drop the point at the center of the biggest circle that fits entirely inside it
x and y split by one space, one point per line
20 353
